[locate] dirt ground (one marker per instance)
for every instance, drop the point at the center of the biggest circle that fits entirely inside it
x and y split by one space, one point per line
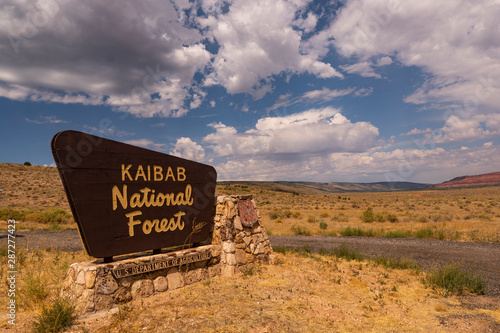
483 258
451 314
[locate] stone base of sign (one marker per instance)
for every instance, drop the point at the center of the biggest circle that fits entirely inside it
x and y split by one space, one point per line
242 246
235 247
96 286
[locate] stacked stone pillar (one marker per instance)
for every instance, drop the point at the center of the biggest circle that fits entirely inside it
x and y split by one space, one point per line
242 246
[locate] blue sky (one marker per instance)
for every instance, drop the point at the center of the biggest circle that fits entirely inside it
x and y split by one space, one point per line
263 90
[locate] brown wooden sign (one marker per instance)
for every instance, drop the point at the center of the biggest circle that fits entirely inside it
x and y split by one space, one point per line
128 199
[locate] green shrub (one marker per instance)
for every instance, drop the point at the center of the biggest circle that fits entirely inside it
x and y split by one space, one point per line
281 249
379 217
368 215
10 213
349 232
251 270
35 290
57 317
323 225
344 252
392 218
400 263
52 215
425 233
298 231
454 279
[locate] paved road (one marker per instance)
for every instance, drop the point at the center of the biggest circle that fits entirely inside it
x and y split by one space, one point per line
483 258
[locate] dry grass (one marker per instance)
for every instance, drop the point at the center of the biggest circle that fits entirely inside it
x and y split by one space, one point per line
304 292
39 278
470 214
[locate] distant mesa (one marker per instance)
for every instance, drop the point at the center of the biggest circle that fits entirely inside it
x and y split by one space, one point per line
486 179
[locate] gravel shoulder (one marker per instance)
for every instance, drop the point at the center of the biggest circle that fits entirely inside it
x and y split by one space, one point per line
484 258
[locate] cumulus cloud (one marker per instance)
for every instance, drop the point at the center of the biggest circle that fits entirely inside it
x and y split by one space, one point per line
464 61
312 132
475 127
187 148
142 57
103 53
257 39
419 165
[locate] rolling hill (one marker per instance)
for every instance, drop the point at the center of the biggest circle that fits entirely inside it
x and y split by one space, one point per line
336 187
486 179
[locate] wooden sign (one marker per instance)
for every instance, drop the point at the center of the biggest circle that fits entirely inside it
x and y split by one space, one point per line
128 199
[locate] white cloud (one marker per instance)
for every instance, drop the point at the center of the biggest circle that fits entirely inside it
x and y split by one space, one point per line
309 133
475 127
325 94
46 120
257 39
364 69
417 131
418 165
308 23
458 44
147 143
100 54
384 61
186 148
96 53
317 96
488 144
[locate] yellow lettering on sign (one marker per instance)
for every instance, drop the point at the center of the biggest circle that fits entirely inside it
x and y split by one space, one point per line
181 173
158 173
172 224
149 198
170 173
125 172
152 173
140 173
132 222
119 196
